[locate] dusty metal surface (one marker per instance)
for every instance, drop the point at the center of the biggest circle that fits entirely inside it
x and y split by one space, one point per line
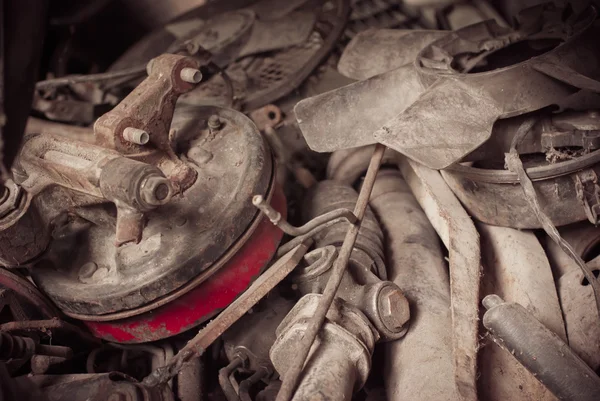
196 347
446 91
416 264
166 233
153 230
541 351
340 363
460 237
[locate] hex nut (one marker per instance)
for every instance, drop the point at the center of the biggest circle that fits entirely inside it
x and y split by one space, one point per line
156 190
394 309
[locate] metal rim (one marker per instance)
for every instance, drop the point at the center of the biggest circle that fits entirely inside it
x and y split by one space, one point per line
206 274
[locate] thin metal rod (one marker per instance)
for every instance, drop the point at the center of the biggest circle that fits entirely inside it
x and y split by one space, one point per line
225 379
292 375
104 76
259 202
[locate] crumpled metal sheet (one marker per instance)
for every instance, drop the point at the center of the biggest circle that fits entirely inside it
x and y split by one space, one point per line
442 114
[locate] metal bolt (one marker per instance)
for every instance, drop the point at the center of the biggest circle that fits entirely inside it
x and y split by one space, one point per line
156 190
393 308
492 300
135 135
87 271
214 122
191 75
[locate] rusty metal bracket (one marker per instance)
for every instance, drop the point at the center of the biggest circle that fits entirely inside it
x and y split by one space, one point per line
139 126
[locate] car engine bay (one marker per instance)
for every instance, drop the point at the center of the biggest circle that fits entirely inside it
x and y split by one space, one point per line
308 200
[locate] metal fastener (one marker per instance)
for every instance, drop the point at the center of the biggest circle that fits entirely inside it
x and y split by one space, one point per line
191 75
394 309
214 123
136 135
156 190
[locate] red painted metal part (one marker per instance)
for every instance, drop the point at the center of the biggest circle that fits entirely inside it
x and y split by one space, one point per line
208 298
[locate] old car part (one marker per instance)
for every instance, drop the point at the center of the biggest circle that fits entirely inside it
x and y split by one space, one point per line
458 233
364 284
340 362
328 196
515 164
294 370
516 268
143 161
261 79
382 302
107 386
247 344
444 72
196 346
20 300
416 264
540 350
565 187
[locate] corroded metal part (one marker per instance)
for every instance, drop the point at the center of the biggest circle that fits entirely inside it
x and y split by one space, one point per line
444 107
341 360
261 287
150 108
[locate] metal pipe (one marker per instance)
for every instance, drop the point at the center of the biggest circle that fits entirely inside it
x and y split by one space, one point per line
540 351
415 262
225 381
293 374
279 221
245 385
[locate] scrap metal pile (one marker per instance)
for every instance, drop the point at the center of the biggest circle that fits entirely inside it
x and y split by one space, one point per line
311 200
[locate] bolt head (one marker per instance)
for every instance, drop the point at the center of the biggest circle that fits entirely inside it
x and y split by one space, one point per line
156 190
394 309
214 122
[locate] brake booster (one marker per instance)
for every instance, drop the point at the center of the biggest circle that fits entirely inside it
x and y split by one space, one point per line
151 230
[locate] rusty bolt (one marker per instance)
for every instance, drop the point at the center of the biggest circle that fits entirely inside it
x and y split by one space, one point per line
156 190
393 308
10 198
214 122
135 135
191 75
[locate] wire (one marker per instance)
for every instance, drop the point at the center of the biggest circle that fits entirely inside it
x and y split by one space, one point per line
514 163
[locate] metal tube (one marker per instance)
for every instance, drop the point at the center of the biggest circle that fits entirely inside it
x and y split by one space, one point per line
540 351
225 381
289 229
419 366
292 375
249 382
